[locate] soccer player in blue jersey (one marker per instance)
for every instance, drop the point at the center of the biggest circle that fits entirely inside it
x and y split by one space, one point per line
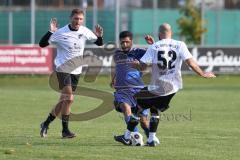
127 81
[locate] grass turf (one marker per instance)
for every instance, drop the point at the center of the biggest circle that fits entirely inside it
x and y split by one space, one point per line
202 123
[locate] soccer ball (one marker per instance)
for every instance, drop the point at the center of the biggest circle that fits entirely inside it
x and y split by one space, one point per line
137 139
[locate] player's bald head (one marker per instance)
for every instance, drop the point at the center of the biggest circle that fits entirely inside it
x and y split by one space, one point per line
165 31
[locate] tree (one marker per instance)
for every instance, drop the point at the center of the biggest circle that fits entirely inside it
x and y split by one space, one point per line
190 24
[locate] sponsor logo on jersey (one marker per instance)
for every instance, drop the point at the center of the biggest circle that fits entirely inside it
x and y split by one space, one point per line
80 35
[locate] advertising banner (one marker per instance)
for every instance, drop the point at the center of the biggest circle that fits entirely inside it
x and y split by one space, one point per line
221 60
25 60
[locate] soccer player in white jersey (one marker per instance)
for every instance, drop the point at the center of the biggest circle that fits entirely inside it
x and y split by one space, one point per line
165 57
70 42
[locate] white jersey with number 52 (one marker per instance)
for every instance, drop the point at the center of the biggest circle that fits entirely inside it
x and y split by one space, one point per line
166 57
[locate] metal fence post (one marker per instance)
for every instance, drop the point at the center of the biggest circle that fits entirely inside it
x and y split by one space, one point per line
33 10
117 19
10 23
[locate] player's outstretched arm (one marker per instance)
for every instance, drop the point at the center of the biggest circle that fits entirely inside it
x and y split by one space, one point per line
149 39
139 65
52 28
99 34
193 64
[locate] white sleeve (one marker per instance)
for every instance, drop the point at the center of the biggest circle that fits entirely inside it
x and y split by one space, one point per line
184 52
53 38
148 56
90 36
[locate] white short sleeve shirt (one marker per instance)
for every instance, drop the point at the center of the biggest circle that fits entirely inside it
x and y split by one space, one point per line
70 44
166 58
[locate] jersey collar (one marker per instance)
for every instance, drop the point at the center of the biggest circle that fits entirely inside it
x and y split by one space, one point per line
70 28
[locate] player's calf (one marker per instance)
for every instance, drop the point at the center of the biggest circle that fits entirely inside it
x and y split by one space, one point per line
132 123
152 139
66 133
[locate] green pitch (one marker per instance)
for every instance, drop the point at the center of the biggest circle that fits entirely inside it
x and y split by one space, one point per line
203 123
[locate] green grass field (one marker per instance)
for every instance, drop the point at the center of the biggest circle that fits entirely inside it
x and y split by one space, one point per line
203 123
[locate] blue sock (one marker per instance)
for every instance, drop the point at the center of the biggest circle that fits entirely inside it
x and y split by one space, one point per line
127 119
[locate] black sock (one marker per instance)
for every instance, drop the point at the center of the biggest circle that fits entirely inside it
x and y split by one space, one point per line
49 119
132 123
153 123
65 120
146 131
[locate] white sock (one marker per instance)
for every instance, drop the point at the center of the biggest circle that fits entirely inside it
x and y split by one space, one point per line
127 134
151 136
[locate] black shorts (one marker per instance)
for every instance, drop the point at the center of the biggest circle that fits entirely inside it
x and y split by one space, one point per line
146 99
67 79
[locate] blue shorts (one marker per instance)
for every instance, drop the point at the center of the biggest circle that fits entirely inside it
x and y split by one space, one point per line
127 96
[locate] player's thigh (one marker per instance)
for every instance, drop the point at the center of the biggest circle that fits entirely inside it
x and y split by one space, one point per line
74 81
124 101
66 79
126 109
162 102
144 98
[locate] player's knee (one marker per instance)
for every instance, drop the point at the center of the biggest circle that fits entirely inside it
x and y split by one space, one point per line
67 98
117 106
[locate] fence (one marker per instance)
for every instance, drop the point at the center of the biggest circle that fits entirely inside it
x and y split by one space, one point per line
27 23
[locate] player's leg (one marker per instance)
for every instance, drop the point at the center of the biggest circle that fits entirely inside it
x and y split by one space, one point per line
125 108
52 115
62 79
145 122
153 125
127 111
132 123
159 104
66 101
67 84
144 104
56 111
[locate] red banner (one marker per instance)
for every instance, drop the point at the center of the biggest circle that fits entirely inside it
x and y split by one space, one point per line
25 60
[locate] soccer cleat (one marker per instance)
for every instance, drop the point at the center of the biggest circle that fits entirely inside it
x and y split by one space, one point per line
151 144
68 134
122 140
43 131
156 140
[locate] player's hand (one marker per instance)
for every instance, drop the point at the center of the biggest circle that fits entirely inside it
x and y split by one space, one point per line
98 31
135 64
112 84
209 75
149 39
53 25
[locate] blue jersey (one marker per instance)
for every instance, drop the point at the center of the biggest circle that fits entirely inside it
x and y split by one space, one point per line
128 77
